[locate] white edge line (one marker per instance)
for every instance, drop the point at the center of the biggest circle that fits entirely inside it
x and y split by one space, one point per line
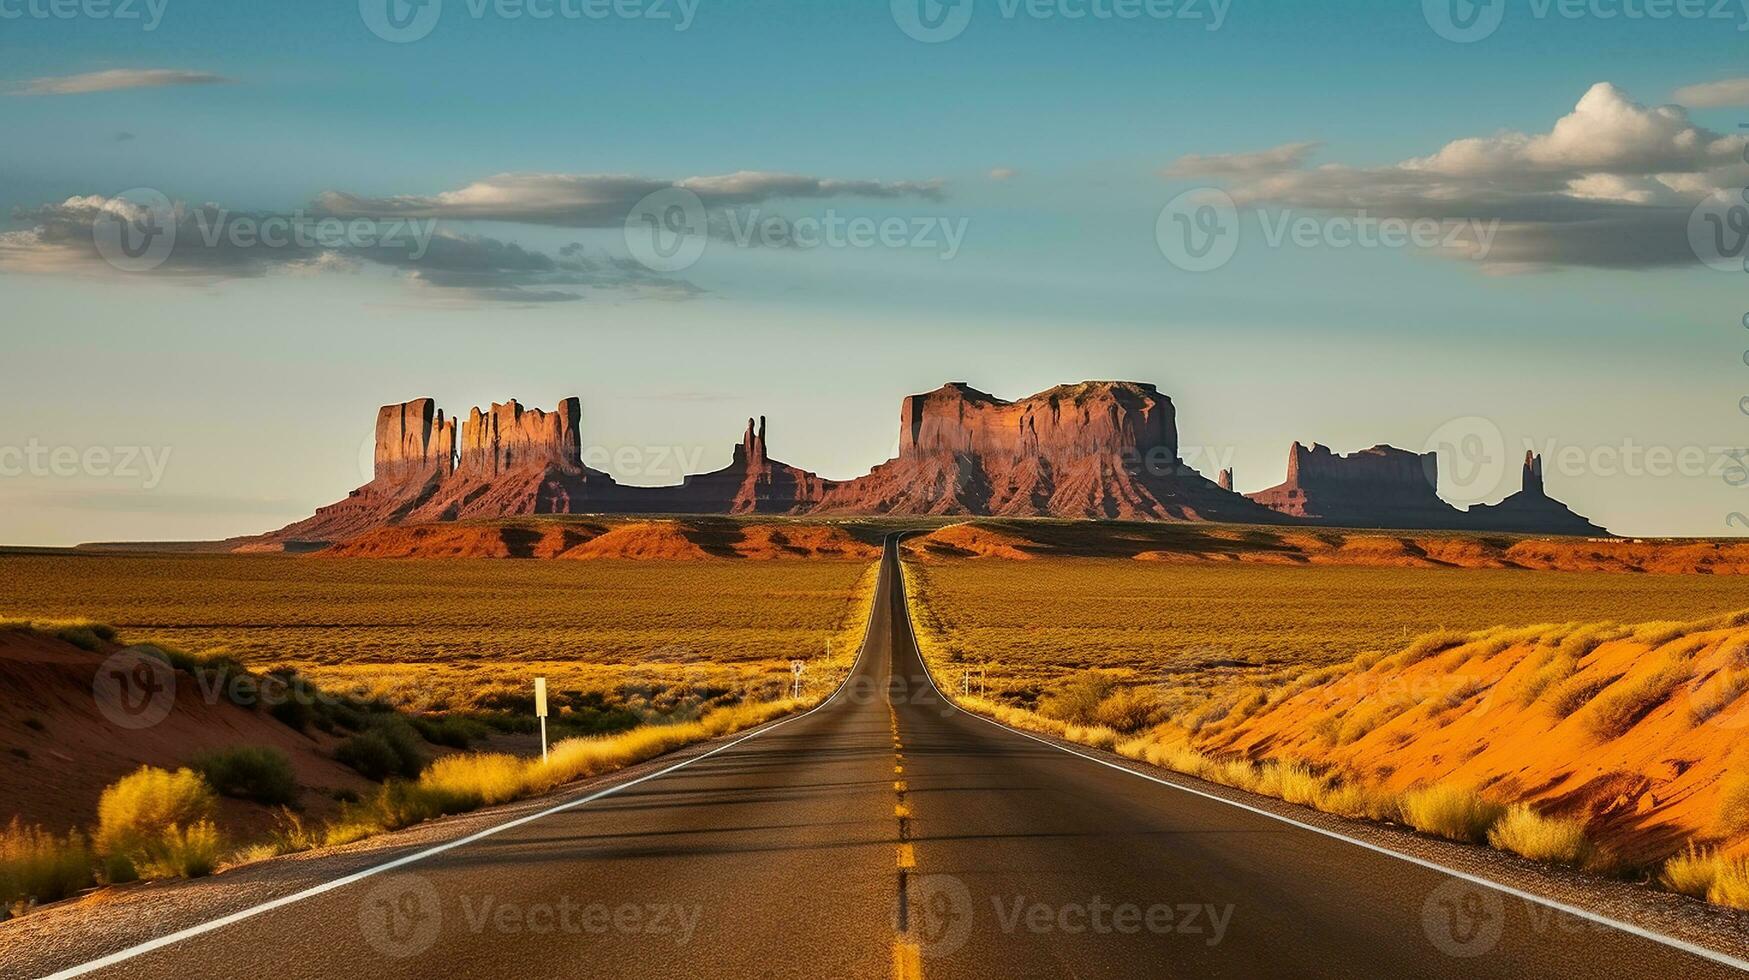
341 882
1627 927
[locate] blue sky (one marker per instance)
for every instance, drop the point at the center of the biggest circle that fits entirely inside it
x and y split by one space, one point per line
1053 145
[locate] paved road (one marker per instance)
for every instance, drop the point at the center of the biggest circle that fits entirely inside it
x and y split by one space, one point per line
883 835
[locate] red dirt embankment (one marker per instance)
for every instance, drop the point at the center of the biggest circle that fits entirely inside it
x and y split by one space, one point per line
62 750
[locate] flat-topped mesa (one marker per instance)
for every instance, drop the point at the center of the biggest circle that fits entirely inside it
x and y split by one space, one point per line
510 437
413 441
1382 487
1093 418
1380 466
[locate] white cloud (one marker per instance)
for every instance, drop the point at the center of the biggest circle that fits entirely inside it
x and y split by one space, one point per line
1610 184
604 200
1288 156
1002 173
1713 95
116 79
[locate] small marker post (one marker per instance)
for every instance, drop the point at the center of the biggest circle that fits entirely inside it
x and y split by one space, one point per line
540 711
795 669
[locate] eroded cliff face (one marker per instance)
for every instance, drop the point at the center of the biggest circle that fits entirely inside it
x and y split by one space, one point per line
510 437
1099 449
413 440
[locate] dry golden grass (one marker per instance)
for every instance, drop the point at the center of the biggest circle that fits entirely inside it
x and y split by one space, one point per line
1710 875
1455 812
466 635
1205 630
158 824
1526 832
37 866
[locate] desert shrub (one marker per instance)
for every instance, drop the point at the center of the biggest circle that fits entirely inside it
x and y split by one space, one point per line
1621 708
386 749
1357 801
1691 872
37 866
1578 644
1663 631
86 636
1731 884
156 823
452 731
1429 644
1447 810
293 712
1290 781
1097 736
1128 709
1575 693
1555 670
1717 696
1368 716
1522 830
250 772
475 780
1077 698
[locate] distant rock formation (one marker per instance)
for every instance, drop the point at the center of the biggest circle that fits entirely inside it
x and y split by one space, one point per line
1531 509
1099 449
1381 487
1390 488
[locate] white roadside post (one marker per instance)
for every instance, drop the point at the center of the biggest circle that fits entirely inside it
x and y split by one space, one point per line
540 711
795 669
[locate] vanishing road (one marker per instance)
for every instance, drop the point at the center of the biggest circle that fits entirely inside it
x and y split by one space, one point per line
889 834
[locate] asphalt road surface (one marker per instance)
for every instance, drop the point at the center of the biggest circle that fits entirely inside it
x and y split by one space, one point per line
888 834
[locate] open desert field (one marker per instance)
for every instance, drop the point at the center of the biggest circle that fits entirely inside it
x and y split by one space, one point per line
437 635
1193 625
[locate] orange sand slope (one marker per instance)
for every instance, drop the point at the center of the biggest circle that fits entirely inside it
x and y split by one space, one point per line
1180 543
682 539
1642 731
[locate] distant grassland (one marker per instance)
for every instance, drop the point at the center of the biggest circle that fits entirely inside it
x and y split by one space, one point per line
1196 625
442 634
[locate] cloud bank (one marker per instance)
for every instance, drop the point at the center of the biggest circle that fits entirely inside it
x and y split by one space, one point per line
116 79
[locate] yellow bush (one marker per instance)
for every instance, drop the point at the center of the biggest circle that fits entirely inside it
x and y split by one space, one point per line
1731 884
1358 801
1621 707
1692 872
157 823
1523 831
37 866
1455 812
475 780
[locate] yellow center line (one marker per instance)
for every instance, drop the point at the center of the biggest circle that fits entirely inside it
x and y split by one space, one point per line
899 786
907 857
902 811
907 961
